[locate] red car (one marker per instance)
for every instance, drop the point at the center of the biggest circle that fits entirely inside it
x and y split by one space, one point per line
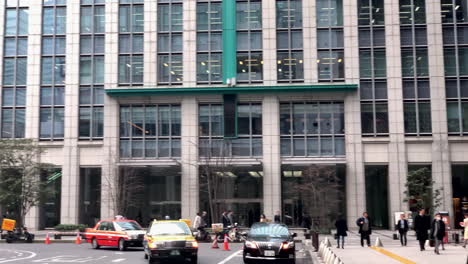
115 233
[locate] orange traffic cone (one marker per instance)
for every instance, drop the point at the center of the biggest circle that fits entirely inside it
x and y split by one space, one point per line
226 243
215 243
47 239
78 238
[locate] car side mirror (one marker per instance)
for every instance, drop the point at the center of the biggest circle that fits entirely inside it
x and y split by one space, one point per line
294 234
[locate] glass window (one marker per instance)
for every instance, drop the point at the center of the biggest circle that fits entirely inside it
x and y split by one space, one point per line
329 13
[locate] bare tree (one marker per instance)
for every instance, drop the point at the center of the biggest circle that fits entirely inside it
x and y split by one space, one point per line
319 188
125 190
215 167
21 186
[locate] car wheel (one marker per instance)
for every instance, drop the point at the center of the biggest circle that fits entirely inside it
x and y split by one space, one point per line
194 260
151 260
94 244
122 245
292 261
146 256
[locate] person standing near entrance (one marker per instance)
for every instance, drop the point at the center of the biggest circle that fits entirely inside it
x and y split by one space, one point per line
277 218
438 232
465 226
421 226
402 227
365 228
341 232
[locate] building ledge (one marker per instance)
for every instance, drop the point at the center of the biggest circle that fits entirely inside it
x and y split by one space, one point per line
375 140
425 139
308 160
231 89
455 139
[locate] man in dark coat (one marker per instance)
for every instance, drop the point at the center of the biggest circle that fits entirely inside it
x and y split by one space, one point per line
365 228
277 218
438 232
422 224
341 229
402 227
225 220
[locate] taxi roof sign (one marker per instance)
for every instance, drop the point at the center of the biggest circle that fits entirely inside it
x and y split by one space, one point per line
8 224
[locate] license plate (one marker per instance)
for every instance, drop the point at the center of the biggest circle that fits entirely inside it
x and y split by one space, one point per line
175 253
269 253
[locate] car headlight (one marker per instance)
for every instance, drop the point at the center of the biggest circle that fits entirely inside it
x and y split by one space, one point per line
250 244
155 244
287 245
191 244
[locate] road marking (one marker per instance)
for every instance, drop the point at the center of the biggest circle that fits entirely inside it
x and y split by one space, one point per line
118 260
393 256
69 259
230 257
32 255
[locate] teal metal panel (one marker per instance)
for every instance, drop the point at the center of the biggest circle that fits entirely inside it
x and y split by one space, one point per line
229 40
231 90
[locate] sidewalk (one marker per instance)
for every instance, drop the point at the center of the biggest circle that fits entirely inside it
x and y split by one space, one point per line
353 253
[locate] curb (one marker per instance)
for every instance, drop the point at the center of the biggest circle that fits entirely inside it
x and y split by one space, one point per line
43 242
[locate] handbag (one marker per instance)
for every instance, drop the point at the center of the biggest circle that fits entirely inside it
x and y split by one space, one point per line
336 236
432 243
395 236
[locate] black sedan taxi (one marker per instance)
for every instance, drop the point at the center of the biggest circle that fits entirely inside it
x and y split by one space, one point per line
170 240
269 242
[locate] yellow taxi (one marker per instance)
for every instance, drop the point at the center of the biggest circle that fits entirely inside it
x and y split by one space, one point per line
170 240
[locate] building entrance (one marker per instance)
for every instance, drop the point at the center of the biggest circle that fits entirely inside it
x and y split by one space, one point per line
460 192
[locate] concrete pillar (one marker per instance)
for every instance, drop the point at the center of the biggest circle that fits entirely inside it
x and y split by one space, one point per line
190 43
397 158
150 44
441 169
309 32
269 42
71 166
33 85
271 156
111 113
190 186
355 181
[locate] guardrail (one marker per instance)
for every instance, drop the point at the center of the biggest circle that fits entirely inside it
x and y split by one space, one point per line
326 254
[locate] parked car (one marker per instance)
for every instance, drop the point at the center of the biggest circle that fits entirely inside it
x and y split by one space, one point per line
271 242
115 233
170 240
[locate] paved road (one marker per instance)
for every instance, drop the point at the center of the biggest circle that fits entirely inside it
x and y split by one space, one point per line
71 253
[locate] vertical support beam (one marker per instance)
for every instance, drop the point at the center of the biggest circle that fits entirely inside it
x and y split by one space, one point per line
270 66
441 168
271 156
190 43
355 182
229 40
397 158
190 196
150 44
310 42
71 166
111 112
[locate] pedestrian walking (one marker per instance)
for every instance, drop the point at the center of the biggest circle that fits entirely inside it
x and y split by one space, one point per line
438 232
422 225
197 223
225 220
231 218
465 225
306 221
341 232
402 227
365 228
277 218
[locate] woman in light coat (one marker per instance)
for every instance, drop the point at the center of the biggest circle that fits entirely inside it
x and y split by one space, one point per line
465 225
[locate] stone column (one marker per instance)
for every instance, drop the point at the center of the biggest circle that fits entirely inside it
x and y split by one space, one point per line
441 168
269 42
355 181
271 156
190 186
150 44
310 41
111 112
33 85
190 43
71 166
397 158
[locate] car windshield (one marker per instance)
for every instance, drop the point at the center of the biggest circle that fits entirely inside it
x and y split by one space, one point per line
167 229
269 231
127 225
